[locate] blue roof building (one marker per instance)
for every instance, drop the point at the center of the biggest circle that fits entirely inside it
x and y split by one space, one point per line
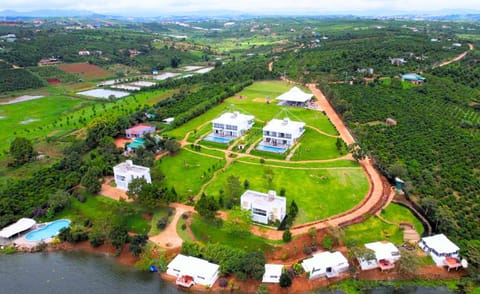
414 78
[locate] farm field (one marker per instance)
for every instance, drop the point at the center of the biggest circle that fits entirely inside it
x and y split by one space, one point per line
85 70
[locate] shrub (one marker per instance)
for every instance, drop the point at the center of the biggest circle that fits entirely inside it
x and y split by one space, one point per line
184 215
285 280
81 198
162 223
170 211
287 236
307 250
96 238
184 227
223 283
327 242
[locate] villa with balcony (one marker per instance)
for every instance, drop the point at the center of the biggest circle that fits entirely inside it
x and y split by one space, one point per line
265 207
443 251
232 124
282 132
126 171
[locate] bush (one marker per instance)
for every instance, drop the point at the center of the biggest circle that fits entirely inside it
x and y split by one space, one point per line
162 223
287 236
223 283
96 238
184 227
327 242
285 280
81 198
170 211
307 250
184 215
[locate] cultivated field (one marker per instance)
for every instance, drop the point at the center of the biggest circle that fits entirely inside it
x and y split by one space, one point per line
87 71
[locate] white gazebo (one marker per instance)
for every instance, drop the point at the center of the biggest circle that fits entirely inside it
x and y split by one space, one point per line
440 248
272 273
295 97
264 207
325 264
188 269
15 229
232 124
126 171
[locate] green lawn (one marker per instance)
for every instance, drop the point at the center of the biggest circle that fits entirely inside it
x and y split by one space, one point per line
314 145
187 171
308 165
316 192
94 208
208 231
376 230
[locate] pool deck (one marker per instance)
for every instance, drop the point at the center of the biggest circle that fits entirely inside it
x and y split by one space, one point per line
23 244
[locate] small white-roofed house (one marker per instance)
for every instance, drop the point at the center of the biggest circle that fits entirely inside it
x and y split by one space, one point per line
386 254
440 248
126 171
232 124
264 207
282 132
272 273
325 264
15 229
294 97
188 269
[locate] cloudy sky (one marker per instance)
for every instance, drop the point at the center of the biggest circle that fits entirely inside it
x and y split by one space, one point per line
161 7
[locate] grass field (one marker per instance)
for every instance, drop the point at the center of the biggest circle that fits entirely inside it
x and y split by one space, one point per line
55 116
315 146
375 229
94 209
208 231
316 192
187 171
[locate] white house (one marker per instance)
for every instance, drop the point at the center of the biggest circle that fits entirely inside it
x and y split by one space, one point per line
295 97
264 207
126 171
232 124
188 268
15 229
440 248
325 264
386 254
272 273
282 132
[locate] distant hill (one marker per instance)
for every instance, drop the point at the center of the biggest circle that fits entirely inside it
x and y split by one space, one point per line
46 13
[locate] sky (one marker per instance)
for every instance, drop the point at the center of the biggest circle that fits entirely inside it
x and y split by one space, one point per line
318 7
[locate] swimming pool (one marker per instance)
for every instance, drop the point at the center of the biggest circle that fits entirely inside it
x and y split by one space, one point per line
274 149
212 138
48 231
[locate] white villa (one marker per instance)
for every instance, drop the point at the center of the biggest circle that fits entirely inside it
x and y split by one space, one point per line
294 97
264 207
282 132
443 251
126 171
232 124
386 254
192 270
272 273
325 264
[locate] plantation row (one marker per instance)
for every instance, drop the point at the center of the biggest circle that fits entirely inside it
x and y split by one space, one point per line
18 79
428 148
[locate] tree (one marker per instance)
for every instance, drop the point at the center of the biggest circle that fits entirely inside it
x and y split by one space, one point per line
118 235
172 146
246 184
337 234
90 181
285 280
137 243
254 264
287 236
409 262
357 152
175 62
21 151
135 188
206 206
292 210
144 157
58 201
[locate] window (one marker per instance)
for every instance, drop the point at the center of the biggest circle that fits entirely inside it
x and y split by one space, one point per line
259 212
121 178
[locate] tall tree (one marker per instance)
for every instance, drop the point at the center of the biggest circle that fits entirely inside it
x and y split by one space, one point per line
21 151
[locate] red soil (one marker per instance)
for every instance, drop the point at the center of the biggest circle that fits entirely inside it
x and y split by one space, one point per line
89 71
54 82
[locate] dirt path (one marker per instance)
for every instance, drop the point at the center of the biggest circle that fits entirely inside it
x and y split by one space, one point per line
113 192
459 57
169 238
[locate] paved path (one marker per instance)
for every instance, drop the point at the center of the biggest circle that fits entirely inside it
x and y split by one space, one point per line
169 238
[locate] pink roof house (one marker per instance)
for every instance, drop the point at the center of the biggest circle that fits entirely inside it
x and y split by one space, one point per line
139 131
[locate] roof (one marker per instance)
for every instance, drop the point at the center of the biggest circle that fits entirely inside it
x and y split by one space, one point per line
440 243
295 95
413 77
233 118
140 127
129 167
21 225
383 250
284 125
272 273
324 260
262 199
193 266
